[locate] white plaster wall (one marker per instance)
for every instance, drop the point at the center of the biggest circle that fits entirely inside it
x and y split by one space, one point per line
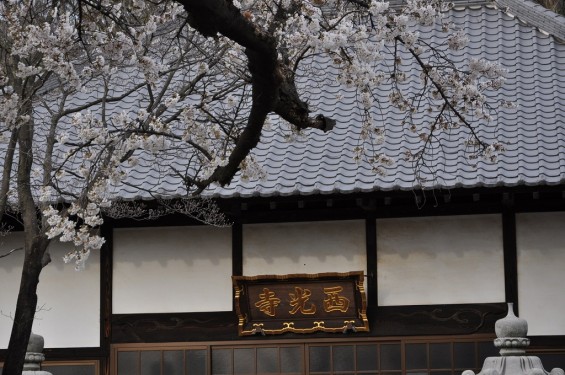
68 300
172 269
541 271
440 260
311 247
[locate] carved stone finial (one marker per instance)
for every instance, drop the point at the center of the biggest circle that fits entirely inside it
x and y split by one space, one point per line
34 356
35 343
511 334
511 325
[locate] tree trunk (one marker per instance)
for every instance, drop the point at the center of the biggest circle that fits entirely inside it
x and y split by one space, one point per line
26 305
35 247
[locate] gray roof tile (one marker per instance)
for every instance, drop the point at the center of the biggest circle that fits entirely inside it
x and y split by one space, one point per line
322 163
534 133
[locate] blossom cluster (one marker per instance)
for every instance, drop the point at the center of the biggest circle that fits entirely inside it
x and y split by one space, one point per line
128 88
74 67
372 47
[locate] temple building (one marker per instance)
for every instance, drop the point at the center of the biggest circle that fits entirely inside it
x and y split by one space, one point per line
327 268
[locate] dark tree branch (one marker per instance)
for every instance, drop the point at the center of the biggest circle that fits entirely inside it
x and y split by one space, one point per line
273 87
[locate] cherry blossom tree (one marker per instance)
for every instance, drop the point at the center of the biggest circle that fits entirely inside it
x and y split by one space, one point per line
94 90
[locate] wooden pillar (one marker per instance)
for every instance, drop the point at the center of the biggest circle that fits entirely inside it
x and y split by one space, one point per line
106 260
510 253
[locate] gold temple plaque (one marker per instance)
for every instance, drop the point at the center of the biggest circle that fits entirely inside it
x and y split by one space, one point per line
301 303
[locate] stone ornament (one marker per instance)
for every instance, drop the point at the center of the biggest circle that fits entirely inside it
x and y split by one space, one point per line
34 356
511 325
511 338
511 334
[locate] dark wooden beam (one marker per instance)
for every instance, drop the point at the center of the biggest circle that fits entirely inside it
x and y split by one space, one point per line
387 204
237 249
371 281
237 254
174 327
510 254
437 319
547 342
384 322
106 272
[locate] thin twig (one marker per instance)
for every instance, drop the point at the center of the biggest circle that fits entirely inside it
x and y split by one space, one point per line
11 251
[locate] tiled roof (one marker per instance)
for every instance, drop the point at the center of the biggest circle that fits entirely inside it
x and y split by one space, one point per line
533 133
316 162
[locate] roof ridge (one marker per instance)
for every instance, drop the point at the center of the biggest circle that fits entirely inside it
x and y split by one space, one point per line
535 15
457 3
526 11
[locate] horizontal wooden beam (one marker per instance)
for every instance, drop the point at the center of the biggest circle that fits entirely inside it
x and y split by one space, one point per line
384 321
